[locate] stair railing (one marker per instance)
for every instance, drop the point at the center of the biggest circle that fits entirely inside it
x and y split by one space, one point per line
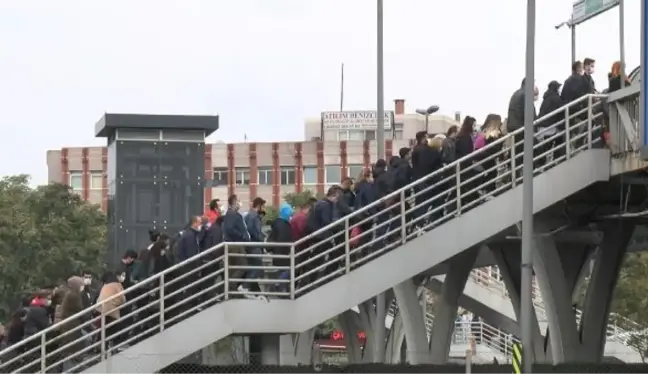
214 275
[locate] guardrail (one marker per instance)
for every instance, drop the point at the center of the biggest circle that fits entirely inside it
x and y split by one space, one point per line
213 276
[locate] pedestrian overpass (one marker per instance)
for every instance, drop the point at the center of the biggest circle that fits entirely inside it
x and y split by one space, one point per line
328 277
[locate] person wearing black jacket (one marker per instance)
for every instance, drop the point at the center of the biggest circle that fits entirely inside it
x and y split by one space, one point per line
365 195
322 215
234 230
346 202
383 186
551 101
575 85
464 148
189 247
425 160
400 175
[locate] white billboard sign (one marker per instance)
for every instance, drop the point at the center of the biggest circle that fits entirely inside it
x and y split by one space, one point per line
355 120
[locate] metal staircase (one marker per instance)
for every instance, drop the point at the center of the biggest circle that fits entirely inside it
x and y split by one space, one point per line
197 302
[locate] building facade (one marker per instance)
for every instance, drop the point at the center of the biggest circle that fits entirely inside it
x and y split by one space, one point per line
268 170
399 125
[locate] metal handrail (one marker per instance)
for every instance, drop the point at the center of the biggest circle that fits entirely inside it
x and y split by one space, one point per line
312 261
614 329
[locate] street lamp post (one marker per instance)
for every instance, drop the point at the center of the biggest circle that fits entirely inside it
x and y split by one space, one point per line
526 287
572 27
426 112
381 312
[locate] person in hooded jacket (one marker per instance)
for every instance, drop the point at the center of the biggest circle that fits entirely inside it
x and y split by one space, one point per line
36 320
71 305
551 101
281 232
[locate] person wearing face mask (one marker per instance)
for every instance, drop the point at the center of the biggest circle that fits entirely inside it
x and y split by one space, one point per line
235 230
90 291
188 247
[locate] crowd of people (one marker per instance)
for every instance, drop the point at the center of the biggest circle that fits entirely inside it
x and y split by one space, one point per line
431 152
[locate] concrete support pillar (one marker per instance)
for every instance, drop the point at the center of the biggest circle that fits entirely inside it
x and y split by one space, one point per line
446 310
297 349
601 289
395 340
508 259
349 323
270 349
413 321
554 283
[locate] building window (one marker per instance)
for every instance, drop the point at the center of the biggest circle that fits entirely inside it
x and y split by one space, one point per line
287 175
356 135
333 174
96 180
242 176
310 175
76 180
265 176
398 134
354 171
221 177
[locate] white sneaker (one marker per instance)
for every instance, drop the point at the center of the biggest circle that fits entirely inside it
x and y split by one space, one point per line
245 291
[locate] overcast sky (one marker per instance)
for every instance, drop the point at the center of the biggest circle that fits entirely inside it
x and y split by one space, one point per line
265 65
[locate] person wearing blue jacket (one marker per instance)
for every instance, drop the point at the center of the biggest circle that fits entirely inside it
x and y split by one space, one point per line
234 230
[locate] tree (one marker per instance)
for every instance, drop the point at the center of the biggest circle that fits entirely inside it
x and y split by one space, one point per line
296 199
630 302
47 234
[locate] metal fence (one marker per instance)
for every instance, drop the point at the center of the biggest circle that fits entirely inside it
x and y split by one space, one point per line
289 270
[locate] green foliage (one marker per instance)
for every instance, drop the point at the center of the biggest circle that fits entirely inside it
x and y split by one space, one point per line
630 301
325 329
295 199
47 234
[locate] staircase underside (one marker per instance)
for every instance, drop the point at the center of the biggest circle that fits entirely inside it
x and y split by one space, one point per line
347 291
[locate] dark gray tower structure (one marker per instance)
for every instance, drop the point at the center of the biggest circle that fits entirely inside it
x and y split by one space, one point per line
156 175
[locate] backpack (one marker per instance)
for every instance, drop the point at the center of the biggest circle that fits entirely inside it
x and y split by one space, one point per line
449 152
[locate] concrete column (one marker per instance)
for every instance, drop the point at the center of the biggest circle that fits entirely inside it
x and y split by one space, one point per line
270 352
395 340
349 323
601 289
413 320
508 260
297 349
557 295
446 311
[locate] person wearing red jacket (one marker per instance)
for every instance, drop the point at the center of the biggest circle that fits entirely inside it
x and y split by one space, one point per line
213 213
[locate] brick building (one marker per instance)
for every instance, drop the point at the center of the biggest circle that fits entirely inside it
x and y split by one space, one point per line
269 170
